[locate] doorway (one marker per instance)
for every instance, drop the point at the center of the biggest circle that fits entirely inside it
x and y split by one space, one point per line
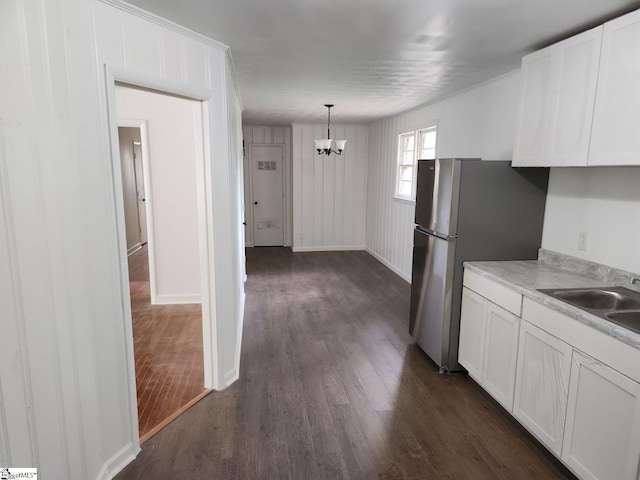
133 191
267 186
161 164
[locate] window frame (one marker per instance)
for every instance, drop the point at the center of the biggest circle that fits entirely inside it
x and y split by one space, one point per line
418 135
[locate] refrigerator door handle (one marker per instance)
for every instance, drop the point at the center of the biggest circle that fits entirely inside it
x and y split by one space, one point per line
433 233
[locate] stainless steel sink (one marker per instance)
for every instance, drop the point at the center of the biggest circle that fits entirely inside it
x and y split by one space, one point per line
599 299
616 304
628 319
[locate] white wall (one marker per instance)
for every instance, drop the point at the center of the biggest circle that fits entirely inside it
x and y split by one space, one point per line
67 393
604 203
479 122
268 135
329 192
172 201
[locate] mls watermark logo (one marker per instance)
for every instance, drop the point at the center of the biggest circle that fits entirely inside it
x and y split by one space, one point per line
11 473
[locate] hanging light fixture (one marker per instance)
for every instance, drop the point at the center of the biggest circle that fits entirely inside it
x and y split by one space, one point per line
324 145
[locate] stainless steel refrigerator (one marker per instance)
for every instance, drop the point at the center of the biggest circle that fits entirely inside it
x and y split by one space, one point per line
466 209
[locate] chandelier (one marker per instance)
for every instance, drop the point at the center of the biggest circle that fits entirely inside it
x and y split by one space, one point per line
324 145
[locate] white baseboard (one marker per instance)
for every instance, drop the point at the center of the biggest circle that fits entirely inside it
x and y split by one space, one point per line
333 248
165 299
118 461
393 268
234 373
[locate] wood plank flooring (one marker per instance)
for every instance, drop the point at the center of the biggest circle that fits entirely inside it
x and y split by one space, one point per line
332 388
167 342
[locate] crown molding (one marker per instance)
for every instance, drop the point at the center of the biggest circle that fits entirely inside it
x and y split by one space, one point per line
163 22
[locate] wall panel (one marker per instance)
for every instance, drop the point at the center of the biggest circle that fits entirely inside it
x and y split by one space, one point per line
142 42
173 64
67 402
109 34
196 63
329 196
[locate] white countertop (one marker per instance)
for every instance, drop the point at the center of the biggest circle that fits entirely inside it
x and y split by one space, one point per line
527 276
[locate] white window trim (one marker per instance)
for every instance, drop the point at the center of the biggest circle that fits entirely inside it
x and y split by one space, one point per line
416 132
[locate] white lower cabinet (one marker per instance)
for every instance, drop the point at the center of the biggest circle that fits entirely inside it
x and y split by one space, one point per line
489 345
602 432
542 382
576 389
500 352
472 333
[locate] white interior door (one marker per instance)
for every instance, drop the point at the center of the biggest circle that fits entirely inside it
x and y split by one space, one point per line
267 162
142 208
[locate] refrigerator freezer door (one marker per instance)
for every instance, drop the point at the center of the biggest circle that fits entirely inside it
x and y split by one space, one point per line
431 295
438 187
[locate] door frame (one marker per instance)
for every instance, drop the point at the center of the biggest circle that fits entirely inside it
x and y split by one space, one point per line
212 377
283 147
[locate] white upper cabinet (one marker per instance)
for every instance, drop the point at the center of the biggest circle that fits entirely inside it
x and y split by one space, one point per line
534 111
615 138
558 88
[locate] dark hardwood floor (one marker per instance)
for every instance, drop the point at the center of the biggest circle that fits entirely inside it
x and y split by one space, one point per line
167 342
332 388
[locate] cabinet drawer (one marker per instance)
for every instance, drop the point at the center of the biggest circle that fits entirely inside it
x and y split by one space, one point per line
495 292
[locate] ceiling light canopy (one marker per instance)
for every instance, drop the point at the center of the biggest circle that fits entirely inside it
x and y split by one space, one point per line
324 145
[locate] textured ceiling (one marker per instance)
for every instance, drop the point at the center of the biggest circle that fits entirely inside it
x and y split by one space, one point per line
374 58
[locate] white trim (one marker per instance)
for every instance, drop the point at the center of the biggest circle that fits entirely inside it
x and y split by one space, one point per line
334 248
138 79
118 461
123 273
210 345
403 200
394 269
417 138
205 245
178 299
234 374
163 22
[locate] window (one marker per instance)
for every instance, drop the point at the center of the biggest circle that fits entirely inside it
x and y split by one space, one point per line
411 147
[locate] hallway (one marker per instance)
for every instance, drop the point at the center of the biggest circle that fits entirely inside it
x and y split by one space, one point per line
167 342
331 387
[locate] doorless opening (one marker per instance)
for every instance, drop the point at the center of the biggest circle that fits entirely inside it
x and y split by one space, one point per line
168 309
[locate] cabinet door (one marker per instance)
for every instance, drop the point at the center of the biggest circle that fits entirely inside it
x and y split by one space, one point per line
576 69
615 137
500 354
536 91
542 379
602 433
472 331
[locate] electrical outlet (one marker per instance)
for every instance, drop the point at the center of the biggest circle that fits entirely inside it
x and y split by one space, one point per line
583 238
